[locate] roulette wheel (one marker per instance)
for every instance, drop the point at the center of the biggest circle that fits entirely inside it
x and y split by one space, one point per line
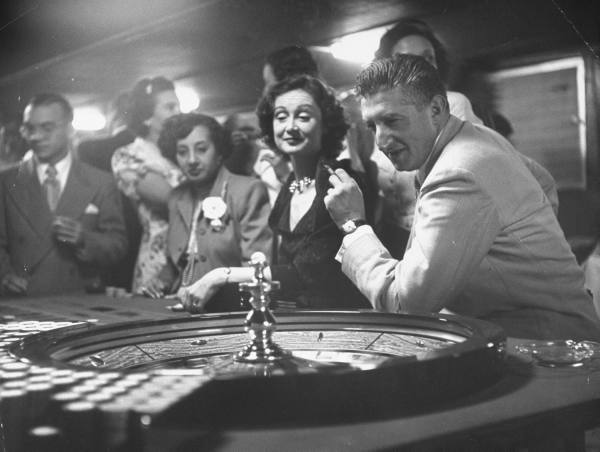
114 381
338 363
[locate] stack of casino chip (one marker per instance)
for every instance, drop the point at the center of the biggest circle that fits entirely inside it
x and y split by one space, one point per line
48 408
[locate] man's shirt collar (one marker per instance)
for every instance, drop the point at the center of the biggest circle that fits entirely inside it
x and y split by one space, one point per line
449 131
62 169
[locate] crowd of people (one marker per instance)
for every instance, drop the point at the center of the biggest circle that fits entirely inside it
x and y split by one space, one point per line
418 208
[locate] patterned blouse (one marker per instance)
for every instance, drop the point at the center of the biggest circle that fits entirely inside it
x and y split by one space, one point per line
130 164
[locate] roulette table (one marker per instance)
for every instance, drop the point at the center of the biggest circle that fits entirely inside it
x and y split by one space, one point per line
101 373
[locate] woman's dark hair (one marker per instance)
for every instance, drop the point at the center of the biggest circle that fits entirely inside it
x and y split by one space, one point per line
142 100
334 126
181 125
409 27
290 61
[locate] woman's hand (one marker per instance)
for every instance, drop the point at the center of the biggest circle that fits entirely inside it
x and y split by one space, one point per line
153 289
195 296
14 284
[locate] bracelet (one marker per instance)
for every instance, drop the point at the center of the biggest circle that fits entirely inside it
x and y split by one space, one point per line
227 273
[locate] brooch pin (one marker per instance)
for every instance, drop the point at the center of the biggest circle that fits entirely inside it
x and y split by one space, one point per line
213 209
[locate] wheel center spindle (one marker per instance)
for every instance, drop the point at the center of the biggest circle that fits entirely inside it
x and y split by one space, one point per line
260 323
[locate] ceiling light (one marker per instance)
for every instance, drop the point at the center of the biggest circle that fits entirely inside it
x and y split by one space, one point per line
88 119
357 47
188 97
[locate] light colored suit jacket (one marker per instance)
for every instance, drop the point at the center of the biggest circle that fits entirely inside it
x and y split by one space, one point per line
484 243
27 245
245 227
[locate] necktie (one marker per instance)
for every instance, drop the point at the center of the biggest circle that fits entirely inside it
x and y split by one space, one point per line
52 187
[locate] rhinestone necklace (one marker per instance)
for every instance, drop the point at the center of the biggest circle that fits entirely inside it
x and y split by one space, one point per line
301 185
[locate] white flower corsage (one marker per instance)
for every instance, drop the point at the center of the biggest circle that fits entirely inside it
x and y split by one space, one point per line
213 209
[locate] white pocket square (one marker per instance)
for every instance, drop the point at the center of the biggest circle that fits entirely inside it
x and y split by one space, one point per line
91 209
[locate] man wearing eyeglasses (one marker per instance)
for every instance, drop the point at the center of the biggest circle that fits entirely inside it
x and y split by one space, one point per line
60 220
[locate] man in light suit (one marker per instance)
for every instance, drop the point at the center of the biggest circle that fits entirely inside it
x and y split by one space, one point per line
484 240
61 224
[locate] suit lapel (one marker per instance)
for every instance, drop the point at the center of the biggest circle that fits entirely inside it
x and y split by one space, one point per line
77 194
29 199
32 205
185 207
186 203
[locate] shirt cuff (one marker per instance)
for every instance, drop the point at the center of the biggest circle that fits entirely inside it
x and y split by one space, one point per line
351 238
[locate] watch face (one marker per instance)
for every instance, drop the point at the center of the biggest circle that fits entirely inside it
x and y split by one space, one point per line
349 226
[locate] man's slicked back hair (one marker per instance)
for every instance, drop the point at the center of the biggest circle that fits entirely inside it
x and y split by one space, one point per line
418 79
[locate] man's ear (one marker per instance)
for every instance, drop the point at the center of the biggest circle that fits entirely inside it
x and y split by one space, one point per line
439 107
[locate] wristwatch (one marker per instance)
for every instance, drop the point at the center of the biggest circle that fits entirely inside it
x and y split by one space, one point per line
351 225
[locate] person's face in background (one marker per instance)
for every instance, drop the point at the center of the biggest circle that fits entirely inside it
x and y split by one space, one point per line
197 156
244 131
13 146
403 131
268 77
359 137
48 132
297 123
416 45
166 105
244 128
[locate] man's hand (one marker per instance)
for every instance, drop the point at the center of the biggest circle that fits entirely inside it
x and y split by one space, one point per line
14 284
67 230
344 200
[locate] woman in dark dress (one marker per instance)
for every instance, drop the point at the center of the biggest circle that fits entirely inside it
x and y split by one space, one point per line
301 118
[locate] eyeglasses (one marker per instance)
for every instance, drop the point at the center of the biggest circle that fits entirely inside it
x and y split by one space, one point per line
47 128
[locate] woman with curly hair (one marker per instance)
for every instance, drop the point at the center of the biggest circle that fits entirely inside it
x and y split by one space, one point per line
217 219
299 117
